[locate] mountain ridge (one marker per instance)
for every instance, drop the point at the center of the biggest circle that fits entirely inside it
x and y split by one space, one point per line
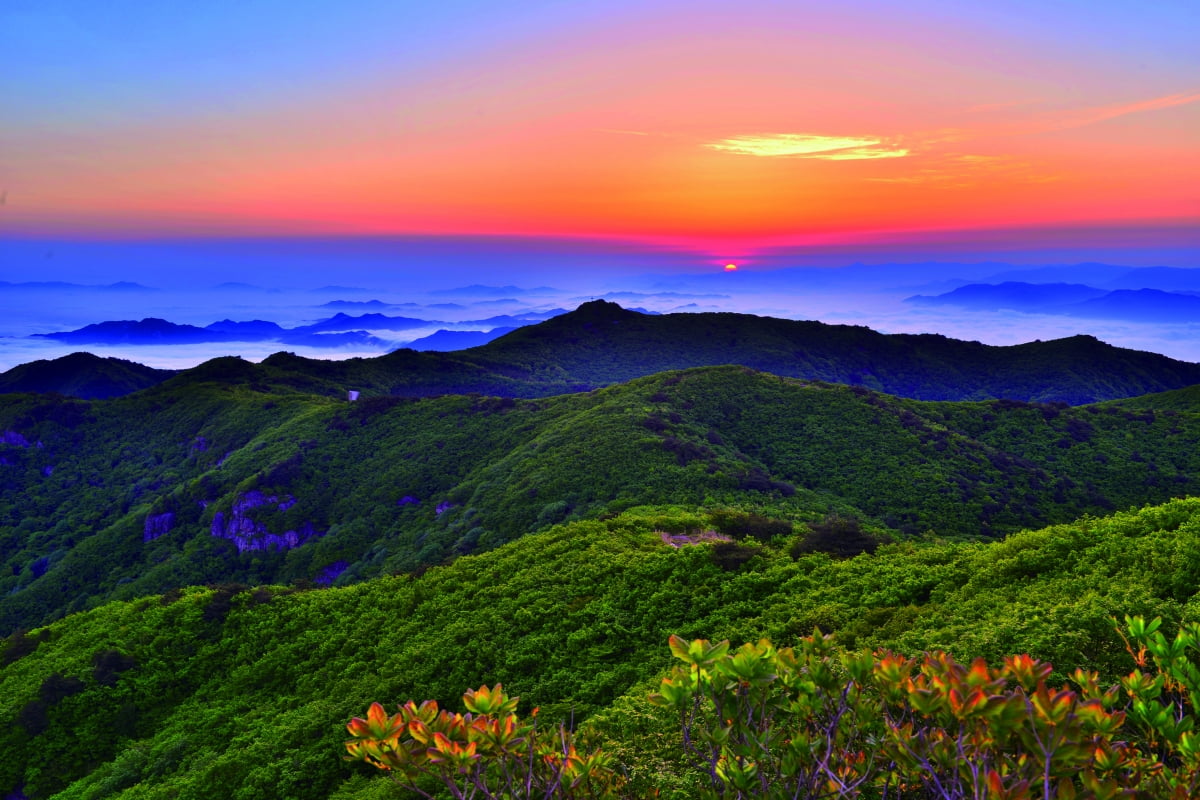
601 343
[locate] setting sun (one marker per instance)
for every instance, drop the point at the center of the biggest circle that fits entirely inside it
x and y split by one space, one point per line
731 267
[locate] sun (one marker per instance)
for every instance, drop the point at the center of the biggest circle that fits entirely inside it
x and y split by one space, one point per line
731 267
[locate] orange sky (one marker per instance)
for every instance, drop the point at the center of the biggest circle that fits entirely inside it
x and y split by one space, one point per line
765 123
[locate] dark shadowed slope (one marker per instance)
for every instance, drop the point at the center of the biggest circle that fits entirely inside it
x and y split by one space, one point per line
600 344
82 375
208 482
1012 295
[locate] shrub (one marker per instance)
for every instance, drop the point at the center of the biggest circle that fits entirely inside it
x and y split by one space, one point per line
489 752
740 525
730 556
818 721
837 535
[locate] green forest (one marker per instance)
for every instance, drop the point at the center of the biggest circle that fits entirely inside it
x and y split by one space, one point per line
205 580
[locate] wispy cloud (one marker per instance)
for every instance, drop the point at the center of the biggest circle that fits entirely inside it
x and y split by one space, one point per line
809 145
983 108
966 169
1088 116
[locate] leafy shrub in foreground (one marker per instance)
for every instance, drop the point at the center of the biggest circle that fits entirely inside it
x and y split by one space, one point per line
819 722
487 752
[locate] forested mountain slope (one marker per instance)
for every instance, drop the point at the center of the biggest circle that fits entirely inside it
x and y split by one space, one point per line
195 483
600 344
233 693
82 375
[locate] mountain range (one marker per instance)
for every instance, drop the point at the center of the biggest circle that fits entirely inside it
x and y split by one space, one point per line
204 577
199 479
600 344
1074 300
337 331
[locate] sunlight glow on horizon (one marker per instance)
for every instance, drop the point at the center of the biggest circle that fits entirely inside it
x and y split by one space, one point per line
625 121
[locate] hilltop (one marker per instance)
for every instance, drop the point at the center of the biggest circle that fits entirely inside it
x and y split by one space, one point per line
601 344
204 482
82 375
227 691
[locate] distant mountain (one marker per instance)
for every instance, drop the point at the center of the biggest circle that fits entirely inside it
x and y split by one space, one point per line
1169 279
380 322
445 341
1140 305
1090 274
255 329
358 339
1012 295
601 343
54 286
912 277
518 320
338 331
1106 276
147 331
356 305
82 375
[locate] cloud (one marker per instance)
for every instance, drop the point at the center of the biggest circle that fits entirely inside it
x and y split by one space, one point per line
1091 115
983 108
809 145
964 170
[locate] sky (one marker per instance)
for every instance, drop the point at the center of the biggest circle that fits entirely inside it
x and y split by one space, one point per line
586 142
759 121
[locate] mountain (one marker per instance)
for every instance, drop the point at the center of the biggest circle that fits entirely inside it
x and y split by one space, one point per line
370 321
207 481
147 331
82 375
252 330
444 340
53 286
1012 295
517 320
1168 279
340 330
1140 305
1075 300
600 344
233 691
1091 274
358 304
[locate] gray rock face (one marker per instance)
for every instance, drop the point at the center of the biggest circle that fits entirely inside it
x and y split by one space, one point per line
156 525
14 438
329 574
248 535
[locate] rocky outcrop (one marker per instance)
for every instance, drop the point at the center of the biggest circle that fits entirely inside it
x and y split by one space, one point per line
329 574
156 525
13 438
249 535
